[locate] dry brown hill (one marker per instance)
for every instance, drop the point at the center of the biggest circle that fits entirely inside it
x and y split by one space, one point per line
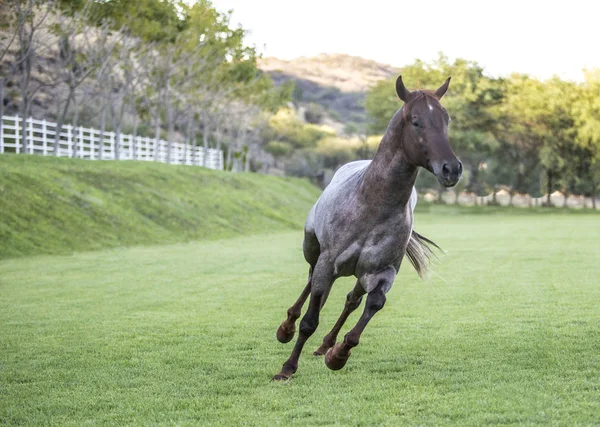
338 82
345 72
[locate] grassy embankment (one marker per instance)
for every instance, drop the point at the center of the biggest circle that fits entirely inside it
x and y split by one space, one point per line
57 206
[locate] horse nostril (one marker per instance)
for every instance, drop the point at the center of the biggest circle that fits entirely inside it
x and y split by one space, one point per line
460 170
446 170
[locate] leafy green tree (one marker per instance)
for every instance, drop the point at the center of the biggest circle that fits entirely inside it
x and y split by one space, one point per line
586 113
150 20
538 122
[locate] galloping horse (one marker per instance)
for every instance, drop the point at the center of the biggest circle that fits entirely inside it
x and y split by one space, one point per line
362 223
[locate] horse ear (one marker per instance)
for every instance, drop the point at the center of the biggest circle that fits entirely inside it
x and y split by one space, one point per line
402 92
443 88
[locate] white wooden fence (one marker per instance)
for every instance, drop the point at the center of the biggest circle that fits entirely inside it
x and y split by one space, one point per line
87 143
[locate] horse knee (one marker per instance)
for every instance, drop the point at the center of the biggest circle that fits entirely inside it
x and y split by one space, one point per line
352 302
308 326
375 301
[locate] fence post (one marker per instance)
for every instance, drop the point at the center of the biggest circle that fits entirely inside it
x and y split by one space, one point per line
44 139
17 134
80 142
92 142
69 141
112 145
30 132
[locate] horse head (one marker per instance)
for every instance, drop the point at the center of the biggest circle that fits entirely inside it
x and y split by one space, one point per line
424 133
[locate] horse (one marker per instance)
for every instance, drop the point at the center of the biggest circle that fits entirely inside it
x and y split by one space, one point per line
362 224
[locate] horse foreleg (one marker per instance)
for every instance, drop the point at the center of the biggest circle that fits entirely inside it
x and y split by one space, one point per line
353 300
337 356
287 329
322 280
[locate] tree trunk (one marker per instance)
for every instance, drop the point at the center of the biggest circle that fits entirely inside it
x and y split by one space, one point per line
118 142
566 194
102 129
456 196
170 135
60 121
157 136
511 196
75 119
228 165
136 149
473 184
205 145
247 161
1 98
188 135
193 145
219 133
24 58
549 176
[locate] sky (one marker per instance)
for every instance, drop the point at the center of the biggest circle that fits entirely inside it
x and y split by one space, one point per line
540 38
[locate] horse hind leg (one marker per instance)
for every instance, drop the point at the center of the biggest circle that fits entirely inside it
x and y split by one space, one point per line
287 329
353 300
322 280
337 356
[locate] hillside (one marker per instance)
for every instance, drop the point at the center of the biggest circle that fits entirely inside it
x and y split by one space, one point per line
337 82
57 206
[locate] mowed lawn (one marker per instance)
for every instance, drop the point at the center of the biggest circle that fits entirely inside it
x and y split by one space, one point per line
506 332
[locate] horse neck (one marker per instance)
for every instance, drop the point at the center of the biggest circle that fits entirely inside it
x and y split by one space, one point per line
389 179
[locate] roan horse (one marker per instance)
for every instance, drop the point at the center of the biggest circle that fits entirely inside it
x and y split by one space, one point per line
362 223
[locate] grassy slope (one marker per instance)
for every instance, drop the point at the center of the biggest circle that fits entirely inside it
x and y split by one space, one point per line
53 205
508 333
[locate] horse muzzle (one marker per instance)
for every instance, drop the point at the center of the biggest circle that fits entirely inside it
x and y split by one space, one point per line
448 173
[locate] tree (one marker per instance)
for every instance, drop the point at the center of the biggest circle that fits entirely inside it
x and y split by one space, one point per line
30 17
81 52
150 20
586 113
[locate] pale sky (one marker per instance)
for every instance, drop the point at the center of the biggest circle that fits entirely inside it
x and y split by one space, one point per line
540 38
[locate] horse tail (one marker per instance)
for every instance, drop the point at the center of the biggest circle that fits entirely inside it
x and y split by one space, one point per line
420 253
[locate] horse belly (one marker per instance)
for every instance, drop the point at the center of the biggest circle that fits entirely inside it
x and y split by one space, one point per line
382 250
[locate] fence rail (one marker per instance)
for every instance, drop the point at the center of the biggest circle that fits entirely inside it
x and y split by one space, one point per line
87 143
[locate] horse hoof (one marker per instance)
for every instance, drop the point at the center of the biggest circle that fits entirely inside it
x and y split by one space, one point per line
333 360
285 335
281 377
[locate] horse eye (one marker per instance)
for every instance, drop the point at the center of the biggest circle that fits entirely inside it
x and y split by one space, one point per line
415 123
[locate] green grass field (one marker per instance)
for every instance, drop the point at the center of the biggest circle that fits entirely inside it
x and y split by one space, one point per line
506 332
